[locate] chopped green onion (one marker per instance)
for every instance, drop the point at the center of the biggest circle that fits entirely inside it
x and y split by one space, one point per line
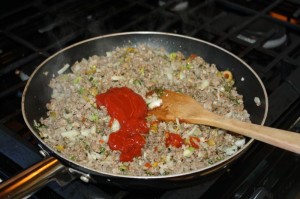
188 152
188 66
81 90
137 82
102 150
142 71
123 168
77 80
173 56
94 117
158 91
73 157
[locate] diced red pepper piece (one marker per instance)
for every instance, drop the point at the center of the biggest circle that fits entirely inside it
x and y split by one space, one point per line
195 141
173 139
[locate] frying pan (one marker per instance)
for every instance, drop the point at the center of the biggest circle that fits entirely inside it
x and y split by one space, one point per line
37 93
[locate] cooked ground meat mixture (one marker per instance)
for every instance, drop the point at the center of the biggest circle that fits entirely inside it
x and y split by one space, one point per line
79 130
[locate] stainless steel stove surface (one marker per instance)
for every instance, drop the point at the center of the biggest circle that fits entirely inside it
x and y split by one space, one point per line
265 33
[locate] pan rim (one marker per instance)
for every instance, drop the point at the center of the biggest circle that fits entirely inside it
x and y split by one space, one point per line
222 163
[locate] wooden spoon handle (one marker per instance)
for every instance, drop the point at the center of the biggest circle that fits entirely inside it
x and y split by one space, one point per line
281 138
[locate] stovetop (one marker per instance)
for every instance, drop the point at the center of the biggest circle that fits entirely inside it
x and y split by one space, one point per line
264 33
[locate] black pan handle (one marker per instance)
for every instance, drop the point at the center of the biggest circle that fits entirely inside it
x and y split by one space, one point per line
31 179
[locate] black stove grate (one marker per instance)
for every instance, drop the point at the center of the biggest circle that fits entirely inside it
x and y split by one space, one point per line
265 33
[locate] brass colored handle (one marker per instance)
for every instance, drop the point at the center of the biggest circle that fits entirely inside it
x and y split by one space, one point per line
30 180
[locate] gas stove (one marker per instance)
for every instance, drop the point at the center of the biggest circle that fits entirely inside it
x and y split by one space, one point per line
264 33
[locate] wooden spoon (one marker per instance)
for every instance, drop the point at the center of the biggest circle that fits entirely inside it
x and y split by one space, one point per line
186 109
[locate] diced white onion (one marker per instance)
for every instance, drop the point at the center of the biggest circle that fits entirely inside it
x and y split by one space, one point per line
229 114
181 75
170 164
86 132
204 84
200 154
116 78
68 115
187 152
231 150
108 54
168 158
93 130
105 138
155 103
191 132
257 101
162 169
240 142
63 69
70 134
115 126
93 155
169 72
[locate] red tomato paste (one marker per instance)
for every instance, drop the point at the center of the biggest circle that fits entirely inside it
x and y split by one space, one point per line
130 109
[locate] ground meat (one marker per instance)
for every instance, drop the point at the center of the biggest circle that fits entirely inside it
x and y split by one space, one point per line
79 130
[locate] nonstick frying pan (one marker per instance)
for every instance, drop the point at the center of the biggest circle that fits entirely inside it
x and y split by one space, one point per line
37 93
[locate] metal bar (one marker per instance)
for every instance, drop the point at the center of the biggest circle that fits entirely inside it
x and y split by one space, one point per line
10 67
246 23
12 89
30 180
222 14
256 44
253 12
282 55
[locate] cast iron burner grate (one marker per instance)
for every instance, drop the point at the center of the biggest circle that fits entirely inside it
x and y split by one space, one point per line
265 33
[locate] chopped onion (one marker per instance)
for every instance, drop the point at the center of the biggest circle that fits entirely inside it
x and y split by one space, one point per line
204 84
115 126
93 130
93 155
70 134
108 54
191 132
63 69
153 102
257 101
181 75
68 115
168 72
162 168
202 139
105 138
116 78
200 154
188 152
231 150
229 114
86 132
240 142
168 158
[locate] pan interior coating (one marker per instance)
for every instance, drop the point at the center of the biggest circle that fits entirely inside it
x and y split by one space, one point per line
77 129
